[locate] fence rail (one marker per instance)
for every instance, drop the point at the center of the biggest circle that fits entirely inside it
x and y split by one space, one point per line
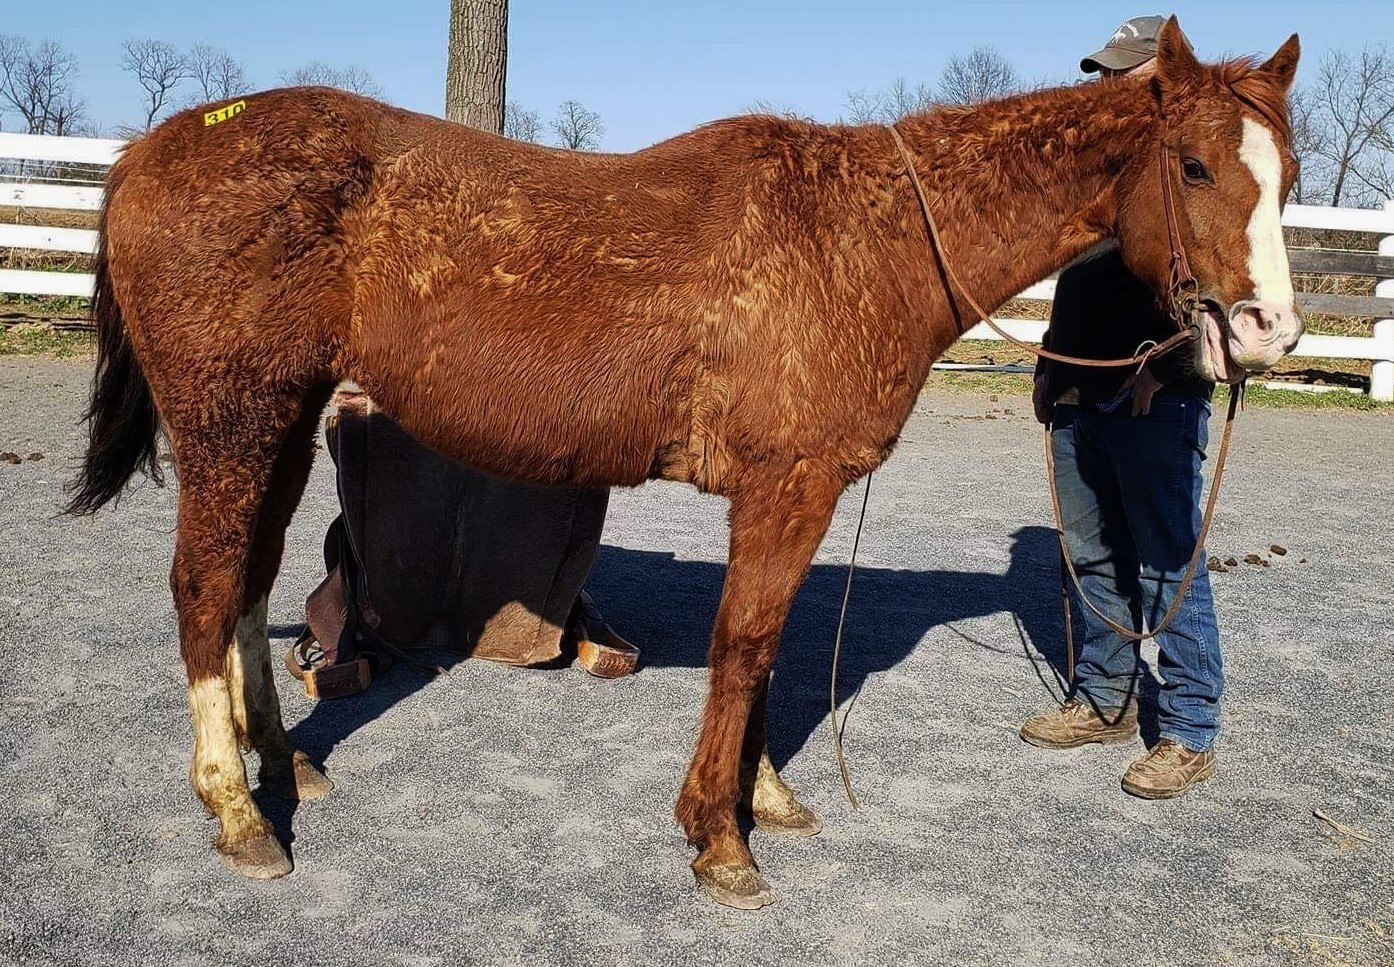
49 192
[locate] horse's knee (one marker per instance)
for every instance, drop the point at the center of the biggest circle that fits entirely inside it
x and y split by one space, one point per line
741 660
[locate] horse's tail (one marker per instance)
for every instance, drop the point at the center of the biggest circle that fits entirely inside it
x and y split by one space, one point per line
122 420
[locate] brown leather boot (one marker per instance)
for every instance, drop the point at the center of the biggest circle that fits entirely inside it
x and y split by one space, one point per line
1169 769
1076 723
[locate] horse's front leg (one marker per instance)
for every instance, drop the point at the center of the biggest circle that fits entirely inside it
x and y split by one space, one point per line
775 529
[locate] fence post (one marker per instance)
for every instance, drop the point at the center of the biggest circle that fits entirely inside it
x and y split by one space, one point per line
1382 371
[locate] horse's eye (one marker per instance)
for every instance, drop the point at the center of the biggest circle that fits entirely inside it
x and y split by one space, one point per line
1194 172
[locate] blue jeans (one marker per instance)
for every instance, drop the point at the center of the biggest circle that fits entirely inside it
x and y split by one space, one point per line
1130 490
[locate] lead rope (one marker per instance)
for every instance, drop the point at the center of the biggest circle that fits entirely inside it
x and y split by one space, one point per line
1236 395
1182 300
837 653
1183 334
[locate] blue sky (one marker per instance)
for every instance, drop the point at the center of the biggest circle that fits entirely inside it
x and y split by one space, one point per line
652 69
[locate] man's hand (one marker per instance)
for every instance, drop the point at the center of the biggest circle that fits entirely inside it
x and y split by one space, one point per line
1038 400
1144 386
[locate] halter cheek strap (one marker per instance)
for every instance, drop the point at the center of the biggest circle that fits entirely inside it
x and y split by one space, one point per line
1182 289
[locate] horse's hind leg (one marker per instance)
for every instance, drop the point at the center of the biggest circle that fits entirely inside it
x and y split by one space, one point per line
256 709
775 529
225 466
772 804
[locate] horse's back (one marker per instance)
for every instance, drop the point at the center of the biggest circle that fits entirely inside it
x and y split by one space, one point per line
541 313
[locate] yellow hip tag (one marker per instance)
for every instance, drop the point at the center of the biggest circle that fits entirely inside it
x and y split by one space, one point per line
223 113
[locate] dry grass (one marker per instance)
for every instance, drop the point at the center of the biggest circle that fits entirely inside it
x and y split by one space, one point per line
21 258
38 340
52 217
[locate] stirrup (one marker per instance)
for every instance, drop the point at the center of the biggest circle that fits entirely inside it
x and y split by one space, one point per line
305 660
599 649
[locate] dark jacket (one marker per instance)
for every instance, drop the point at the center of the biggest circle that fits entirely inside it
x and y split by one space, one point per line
1103 311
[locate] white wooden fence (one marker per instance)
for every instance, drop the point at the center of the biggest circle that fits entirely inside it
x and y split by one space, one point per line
22 189
48 192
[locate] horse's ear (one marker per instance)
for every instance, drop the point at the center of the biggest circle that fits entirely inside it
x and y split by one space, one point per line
1176 61
1282 66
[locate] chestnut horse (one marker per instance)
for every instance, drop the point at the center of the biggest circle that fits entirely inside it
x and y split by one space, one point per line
751 307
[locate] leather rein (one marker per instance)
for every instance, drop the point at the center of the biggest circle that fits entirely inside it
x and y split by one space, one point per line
1181 297
1184 307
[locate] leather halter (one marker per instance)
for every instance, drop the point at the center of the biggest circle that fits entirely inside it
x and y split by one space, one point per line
1181 293
1182 285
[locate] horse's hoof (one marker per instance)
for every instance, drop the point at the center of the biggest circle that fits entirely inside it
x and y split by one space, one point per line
310 782
261 858
791 819
302 782
741 887
776 809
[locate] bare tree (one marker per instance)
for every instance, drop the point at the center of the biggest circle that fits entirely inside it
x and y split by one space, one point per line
477 64
1343 129
158 67
979 75
351 78
892 104
577 127
37 84
1309 144
68 116
217 74
902 99
863 107
1377 177
521 124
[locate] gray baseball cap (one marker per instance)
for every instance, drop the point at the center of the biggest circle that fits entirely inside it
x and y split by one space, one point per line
1132 44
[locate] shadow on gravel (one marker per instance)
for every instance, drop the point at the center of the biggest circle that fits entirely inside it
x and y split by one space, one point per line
667 607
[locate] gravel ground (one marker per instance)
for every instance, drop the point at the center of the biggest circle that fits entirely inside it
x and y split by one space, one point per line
508 816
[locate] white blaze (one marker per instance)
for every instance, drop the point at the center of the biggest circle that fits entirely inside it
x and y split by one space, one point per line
1268 256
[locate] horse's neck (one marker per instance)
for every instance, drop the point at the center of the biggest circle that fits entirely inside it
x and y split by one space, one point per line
1020 187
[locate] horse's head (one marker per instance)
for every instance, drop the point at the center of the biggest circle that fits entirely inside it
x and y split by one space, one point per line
1230 165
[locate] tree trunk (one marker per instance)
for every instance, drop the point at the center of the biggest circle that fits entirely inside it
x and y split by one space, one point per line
477 64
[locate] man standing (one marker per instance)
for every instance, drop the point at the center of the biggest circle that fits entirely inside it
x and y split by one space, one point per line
1128 450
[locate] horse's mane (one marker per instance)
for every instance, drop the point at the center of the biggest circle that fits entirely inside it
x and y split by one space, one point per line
1238 76
1257 89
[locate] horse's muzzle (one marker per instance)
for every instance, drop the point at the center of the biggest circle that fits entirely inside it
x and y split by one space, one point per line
1261 332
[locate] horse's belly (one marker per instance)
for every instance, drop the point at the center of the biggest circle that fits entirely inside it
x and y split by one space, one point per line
536 421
